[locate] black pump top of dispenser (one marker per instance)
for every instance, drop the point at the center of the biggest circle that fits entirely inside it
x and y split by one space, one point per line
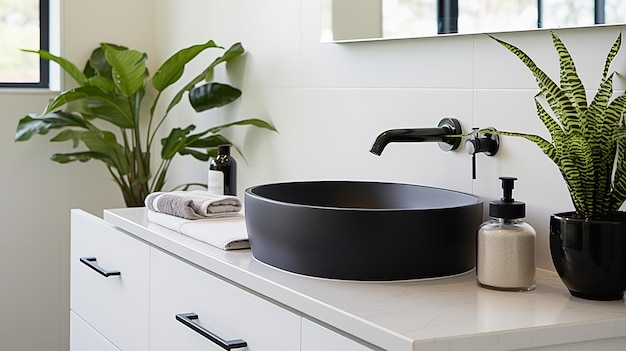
223 150
507 207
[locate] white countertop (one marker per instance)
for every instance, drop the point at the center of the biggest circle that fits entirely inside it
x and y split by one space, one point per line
443 314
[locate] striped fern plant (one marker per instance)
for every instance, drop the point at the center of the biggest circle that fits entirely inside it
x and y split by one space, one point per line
588 141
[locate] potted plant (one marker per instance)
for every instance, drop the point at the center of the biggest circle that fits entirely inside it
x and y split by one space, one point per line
588 145
105 114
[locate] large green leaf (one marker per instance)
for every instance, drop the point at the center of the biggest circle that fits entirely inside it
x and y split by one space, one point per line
259 123
101 104
82 156
618 194
113 109
570 82
65 64
596 117
234 51
172 69
176 140
210 141
129 69
204 148
212 95
69 134
105 147
97 63
101 83
611 55
42 124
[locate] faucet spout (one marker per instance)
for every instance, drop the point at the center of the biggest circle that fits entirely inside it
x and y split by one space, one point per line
446 134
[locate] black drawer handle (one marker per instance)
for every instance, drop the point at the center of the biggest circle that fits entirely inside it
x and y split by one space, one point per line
187 319
91 263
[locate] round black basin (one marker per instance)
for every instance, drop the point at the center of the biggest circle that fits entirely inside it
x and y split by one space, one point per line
363 230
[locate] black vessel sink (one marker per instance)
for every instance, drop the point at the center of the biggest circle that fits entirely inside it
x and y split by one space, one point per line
363 230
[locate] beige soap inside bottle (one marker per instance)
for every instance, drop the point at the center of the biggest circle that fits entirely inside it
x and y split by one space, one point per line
505 256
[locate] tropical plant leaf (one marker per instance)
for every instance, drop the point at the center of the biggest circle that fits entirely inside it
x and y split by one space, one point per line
129 69
42 124
618 193
83 156
259 123
209 142
556 132
570 82
596 113
175 141
579 168
204 148
97 63
212 95
201 155
611 55
111 108
65 64
172 69
101 83
233 52
105 147
602 147
101 104
69 134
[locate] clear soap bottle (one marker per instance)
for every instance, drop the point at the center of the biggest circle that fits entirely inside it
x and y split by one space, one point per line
223 173
505 256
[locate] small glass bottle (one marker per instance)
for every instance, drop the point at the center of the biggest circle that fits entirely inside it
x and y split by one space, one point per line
223 173
505 256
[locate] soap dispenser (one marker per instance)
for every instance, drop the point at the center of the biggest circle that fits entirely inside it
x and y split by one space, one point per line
505 257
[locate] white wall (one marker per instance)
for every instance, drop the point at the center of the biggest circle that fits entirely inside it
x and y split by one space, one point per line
329 101
38 193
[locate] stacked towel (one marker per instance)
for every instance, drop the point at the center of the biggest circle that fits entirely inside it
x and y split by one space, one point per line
195 204
214 219
226 233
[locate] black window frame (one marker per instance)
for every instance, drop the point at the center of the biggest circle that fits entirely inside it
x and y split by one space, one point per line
448 15
44 44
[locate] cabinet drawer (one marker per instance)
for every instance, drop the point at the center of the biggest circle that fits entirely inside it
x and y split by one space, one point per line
115 305
315 338
84 337
221 308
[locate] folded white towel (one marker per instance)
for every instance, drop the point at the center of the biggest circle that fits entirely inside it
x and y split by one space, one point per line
226 233
195 204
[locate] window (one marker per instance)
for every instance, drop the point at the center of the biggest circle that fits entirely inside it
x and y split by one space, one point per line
24 24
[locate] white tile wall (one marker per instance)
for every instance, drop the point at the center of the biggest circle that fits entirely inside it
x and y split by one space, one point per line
329 101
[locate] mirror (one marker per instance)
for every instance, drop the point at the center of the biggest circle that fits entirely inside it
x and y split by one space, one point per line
361 20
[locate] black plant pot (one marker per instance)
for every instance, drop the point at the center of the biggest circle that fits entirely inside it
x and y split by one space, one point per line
590 255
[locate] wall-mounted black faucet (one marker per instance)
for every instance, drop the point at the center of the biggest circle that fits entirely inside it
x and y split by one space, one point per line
447 134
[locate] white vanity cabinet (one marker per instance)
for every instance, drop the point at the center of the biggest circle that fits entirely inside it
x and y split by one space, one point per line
177 293
316 338
85 337
191 309
109 276
129 296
